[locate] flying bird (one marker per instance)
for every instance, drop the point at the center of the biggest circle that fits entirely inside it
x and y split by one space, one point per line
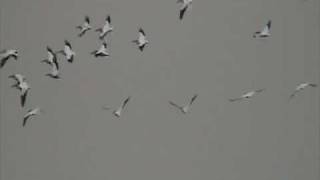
106 29
29 114
247 95
102 51
85 26
301 87
22 85
186 108
67 51
142 41
185 5
7 54
265 31
52 58
118 111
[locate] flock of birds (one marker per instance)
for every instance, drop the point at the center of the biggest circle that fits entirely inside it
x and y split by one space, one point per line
52 60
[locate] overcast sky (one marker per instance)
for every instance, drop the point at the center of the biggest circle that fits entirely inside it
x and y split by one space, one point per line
211 53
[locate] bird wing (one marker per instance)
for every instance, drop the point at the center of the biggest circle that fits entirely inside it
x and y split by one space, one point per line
125 102
23 98
87 19
4 61
269 24
182 12
193 99
313 85
235 99
106 108
68 44
141 31
108 19
25 119
175 105
55 61
293 94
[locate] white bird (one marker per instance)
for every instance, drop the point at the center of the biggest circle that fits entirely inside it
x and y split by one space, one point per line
247 95
22 85
106 29
265 32
85 26
52 58
185 5
186 108
29 114
142 40
7 54
67 51
102 51
301 87
119 110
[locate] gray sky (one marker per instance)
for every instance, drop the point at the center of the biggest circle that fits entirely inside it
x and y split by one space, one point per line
211 52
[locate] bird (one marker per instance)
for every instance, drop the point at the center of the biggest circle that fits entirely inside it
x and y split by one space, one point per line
55 73
106 29
22 85
29 114
85 26
7 54
142 41
301 87
67 51
247 95
52 58
185 5
186 108
118 112
102 51
265 31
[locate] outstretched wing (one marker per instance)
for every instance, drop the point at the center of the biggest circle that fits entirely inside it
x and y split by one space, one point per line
193 99
125 102
23 98
108 19
175 105
87 19
235 99
182 12
25 119
4 61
